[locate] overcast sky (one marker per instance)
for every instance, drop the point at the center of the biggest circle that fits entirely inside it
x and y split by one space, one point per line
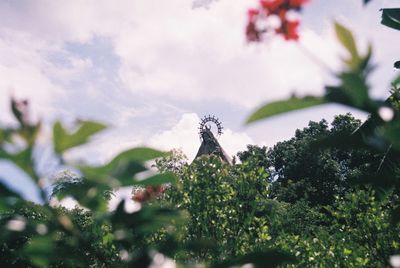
151 68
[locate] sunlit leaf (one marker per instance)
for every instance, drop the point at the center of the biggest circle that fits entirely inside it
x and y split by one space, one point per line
391 17
279 107
347 40
63 140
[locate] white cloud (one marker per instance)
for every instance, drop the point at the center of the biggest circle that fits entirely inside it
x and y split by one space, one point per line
168 49
22 73
202 54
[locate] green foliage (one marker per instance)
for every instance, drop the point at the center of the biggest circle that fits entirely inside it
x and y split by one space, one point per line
226 205
360 227
279 107
300 170
359 234
33 235
41 238
64 140
46 236
391 18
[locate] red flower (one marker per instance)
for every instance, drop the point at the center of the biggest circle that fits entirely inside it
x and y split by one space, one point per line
252 14
252 33
297 3
150 192
289 29
272 5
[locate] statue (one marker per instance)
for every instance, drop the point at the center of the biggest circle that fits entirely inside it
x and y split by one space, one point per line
210 144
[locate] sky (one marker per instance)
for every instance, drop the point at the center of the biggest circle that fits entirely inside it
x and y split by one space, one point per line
150 69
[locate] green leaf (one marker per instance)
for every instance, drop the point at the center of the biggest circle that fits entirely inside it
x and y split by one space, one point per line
6 195
355 88
395 217
347 40
396 82
158 180
139 154
40 250
91 194
23 160
391 18
280 107
6 192
124 166
265 259
147 220
64 140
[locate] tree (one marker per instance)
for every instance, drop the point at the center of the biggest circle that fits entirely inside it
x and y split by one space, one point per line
300 170
226 205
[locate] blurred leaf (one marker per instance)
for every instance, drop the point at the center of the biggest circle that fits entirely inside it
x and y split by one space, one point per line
269 258
355 88
6 196
145 221
397 64
40 250
140 154
20 110
87 193
280 107
347 40
64 140
366 1
391 17
391 133
6 192
158 179
23 160
124 166
5 135
396 85
395 215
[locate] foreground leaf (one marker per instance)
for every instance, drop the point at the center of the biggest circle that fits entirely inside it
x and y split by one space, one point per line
391 18
64 140
124 166
158 180
279 107
39 250
347 39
